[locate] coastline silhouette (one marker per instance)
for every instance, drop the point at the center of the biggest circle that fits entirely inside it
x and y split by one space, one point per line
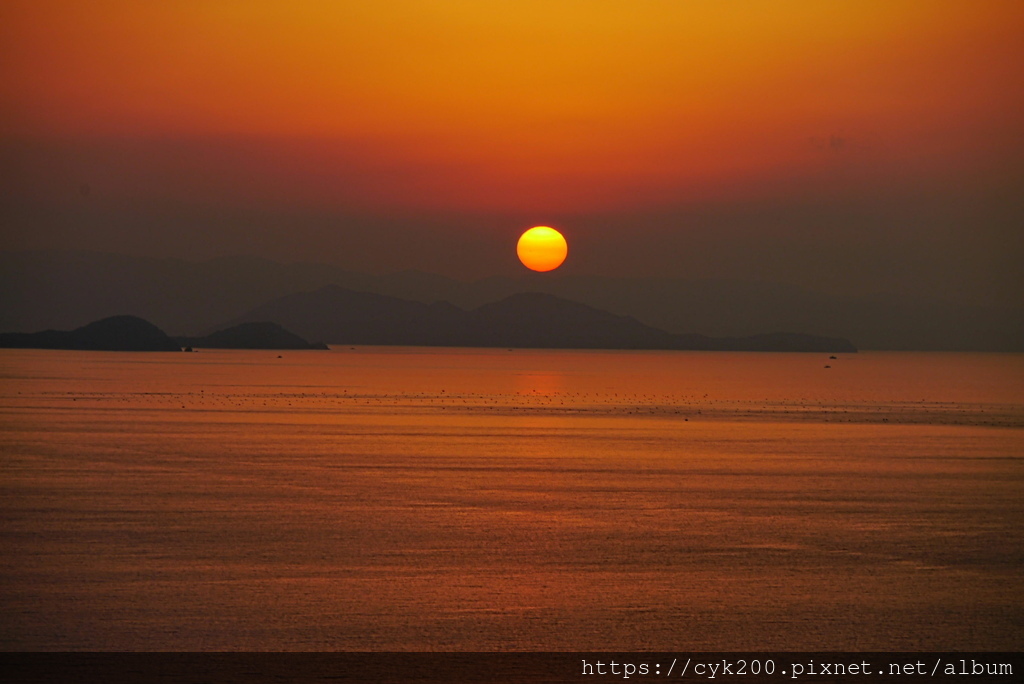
339 316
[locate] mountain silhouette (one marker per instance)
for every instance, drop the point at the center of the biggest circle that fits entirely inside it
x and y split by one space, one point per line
545 321
530 320
340 316
64 289
117 333
255 335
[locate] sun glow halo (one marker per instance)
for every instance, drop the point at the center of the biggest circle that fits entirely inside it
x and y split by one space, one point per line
542 248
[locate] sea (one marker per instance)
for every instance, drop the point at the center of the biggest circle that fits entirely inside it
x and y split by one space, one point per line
429 499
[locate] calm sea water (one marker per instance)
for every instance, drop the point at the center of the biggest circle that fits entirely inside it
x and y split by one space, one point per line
425 499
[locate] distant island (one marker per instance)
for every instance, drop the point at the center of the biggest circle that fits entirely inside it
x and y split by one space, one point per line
254 335
117 333
131 333
340 316
527 320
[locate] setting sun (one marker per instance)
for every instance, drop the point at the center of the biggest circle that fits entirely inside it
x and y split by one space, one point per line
542 248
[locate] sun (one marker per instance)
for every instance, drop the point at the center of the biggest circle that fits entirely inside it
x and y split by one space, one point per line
542 248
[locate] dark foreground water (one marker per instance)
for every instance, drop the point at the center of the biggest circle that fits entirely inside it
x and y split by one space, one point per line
416 499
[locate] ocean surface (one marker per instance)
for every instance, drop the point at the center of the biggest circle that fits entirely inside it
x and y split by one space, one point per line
463 499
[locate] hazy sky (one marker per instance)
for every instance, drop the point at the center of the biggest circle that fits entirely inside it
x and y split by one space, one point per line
847 146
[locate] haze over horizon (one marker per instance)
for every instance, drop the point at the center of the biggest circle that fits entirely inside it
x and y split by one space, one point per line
65 289
852 149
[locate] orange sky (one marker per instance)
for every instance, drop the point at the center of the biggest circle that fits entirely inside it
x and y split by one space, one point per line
848 146
535 106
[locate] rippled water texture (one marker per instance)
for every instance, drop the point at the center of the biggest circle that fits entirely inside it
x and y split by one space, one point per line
392 499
